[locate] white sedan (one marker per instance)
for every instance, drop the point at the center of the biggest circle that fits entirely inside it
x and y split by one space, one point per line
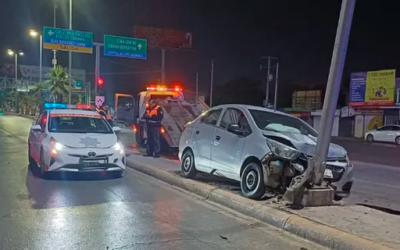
252 145
75 141
388 133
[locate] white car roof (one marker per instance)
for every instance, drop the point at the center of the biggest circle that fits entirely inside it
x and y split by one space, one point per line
73 111
243 106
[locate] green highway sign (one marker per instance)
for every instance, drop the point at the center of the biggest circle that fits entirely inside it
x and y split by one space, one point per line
125 47
67 40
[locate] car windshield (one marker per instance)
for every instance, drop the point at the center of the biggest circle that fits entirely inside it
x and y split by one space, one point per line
78 123
281 123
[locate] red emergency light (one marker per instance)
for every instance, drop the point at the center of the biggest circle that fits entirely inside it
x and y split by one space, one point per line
163 88
84 106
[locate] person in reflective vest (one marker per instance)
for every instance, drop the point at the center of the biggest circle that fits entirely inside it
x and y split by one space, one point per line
153 116
103 111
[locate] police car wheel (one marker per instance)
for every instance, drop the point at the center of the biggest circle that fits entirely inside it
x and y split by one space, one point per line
42 171
30 159
188 167
118 174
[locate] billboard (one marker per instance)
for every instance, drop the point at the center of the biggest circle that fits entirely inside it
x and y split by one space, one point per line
372 88
308 100
164 38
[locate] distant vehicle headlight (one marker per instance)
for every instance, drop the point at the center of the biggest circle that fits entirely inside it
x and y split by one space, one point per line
282 150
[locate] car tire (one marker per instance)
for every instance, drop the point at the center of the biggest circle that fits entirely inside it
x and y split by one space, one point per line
252 181
397 140
188 166
139 135
337 198
30 159
43 173
370 138
119 174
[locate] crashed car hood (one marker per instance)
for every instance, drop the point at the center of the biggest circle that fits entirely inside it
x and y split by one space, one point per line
89 140
306 144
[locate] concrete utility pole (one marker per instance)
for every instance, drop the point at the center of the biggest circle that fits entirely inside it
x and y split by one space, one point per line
268 68
212 82
197 88
316 165
276 86
267 89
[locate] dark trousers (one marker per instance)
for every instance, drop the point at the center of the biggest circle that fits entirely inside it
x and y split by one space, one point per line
153 140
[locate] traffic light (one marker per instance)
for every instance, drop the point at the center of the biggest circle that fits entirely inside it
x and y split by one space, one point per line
100 82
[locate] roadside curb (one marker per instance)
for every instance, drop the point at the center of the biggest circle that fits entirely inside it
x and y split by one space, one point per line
26 116
305 228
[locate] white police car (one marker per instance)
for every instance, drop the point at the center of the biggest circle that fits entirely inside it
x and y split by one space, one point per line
75 141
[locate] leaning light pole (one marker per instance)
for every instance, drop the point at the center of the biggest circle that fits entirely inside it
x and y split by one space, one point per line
314 173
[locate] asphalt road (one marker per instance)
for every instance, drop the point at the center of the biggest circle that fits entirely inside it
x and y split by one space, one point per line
98 212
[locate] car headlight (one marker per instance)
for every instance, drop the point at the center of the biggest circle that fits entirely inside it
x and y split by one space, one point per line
58 146
282 150
117 146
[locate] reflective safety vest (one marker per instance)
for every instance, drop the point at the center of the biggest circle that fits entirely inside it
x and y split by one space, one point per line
150 114
103 113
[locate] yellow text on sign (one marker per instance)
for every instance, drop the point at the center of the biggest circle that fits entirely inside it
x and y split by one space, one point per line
68 48
380 86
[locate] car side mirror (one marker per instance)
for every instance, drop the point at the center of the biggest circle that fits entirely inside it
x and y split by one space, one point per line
235 129
36 128
116 129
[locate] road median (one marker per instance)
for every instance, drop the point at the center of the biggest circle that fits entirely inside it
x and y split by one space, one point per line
295 222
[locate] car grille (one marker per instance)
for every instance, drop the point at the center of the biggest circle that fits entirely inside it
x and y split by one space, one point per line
337 172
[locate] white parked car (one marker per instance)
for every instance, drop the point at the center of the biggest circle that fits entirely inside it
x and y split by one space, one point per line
258 147
75 141
387 133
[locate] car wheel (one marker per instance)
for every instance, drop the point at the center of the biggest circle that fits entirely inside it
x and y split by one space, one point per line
370 138
30 159
337 198
252 181
42 170
397 141
188 167
119 174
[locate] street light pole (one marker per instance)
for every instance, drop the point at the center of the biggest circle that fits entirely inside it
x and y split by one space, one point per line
70 55
54 62
16 68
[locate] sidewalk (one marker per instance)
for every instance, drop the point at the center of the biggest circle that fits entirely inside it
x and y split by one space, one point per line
336 227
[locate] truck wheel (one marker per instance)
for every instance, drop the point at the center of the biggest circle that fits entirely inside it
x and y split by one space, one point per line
139 135
252 181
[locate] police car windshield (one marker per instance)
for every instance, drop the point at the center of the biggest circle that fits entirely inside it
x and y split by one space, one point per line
68 123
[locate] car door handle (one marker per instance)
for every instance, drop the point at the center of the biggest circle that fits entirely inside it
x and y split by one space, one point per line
197 132
217 137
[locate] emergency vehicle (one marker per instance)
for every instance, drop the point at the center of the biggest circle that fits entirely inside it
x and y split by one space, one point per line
177 112
75 139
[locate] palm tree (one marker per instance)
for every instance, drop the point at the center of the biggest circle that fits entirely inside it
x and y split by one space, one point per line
58 83
38 91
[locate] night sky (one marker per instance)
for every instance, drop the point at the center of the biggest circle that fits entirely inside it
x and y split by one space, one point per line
235 33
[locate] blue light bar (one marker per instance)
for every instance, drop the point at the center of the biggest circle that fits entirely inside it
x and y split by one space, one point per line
52 105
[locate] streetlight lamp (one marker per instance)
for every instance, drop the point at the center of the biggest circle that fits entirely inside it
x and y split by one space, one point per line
15 54
34 34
